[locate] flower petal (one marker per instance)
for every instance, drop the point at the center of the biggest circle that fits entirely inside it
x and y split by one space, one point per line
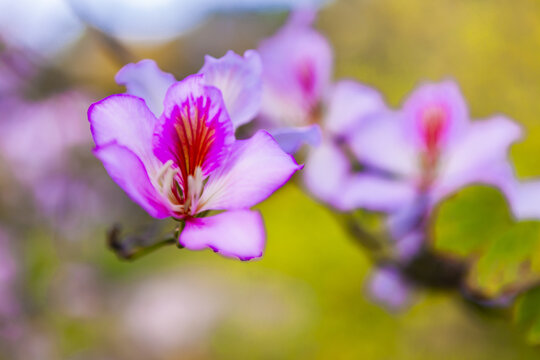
290 139
435 114
194 129
129 172
239 79
481 155
325 173
238 234
147 81
375 193
350 105
256 168
381 144
297 65
525 201
388 288
125 120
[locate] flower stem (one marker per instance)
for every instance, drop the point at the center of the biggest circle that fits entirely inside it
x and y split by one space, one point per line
132 247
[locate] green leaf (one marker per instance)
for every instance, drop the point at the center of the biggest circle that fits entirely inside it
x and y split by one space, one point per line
470 220
527 314
507 263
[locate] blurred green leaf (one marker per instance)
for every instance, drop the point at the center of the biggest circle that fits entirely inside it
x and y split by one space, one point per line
476 224
527 314
507 263
470 220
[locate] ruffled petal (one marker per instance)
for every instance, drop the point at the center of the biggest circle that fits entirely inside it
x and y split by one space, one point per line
326 171
435 114
382 145
239 79
351 104
297 66
125 120
480 155
129 172
290 139
194 130
255 169
147 81
238 234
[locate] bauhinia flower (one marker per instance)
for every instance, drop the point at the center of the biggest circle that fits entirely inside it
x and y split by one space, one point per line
171 147
297 68
429 149
302 105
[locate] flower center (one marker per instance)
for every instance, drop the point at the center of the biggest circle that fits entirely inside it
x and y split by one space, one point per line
433 124
183 200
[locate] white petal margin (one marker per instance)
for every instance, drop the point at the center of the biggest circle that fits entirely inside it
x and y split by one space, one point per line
237 234
239 79
147 81
256 168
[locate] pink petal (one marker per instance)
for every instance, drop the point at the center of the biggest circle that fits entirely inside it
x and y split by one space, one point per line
480 155
451 114
239 234
525 200
194 129
326 171
239 79
147 81
388 288
125 120
375 193
129 172
382 145
290 139
297 65
351 104
256 168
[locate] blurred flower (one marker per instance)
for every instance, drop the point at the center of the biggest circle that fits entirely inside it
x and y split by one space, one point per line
38 142
388 288
189 162
56 124
419 155
431 147
299 101
297 67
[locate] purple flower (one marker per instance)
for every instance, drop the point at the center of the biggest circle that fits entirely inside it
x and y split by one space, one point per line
297 72
430 149
301 105
171 146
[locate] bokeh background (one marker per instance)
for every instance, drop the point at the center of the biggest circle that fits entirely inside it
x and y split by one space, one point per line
64 295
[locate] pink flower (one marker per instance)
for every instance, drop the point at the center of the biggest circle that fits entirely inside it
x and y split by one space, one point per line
417 156
171 146
297 69
299 101
430 148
